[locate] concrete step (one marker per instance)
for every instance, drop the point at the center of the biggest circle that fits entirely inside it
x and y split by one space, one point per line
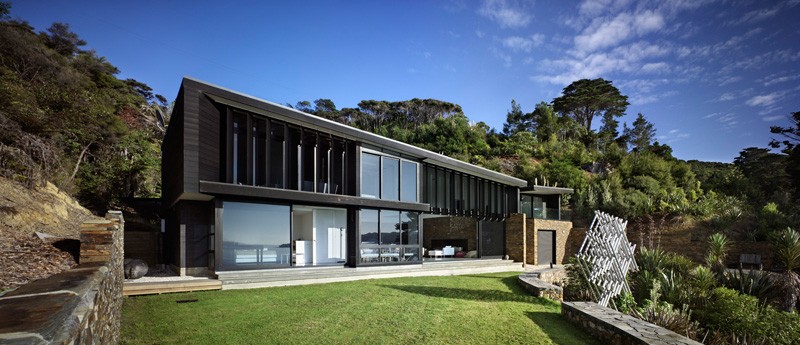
315 275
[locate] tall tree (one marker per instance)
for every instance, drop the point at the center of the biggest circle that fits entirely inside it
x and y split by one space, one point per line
642 134
517 121
791 146
546 122
608 131
61 39
586 98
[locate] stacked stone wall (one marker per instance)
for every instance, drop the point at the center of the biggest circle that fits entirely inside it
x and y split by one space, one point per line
612 327
450 228
688 240
79 306
515 237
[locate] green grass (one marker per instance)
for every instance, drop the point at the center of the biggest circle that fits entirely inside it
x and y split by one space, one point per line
478 309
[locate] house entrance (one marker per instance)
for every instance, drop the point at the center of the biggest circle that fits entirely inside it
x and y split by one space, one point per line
319 236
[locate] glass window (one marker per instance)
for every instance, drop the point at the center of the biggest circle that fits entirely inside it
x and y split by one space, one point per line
430 185
277 147
309 151
526 206
440 189
390 181
368 226
294 161
408 181
259 151
390 227
337 162
409 228
324 152
370 175
255 234
239 148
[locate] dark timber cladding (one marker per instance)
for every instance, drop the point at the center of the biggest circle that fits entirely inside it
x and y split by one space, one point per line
270 172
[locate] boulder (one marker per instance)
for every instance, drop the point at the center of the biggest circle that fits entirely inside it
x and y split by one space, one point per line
135 268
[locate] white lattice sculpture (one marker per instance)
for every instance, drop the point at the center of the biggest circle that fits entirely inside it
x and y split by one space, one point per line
606 256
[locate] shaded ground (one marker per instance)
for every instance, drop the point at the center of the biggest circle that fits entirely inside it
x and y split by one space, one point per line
23 255
479 309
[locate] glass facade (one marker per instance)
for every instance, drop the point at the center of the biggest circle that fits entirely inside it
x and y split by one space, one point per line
388 236
388 178
540 206
255 235
370 176
266 152
408 182
456 193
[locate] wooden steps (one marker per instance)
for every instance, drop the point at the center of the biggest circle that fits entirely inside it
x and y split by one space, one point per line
150 288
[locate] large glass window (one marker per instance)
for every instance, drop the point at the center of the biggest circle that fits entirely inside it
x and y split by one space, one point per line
368 225
388 236
410 227
255 234
239 148
390 227
408 182
370 176
390 186
277 146
259 151
308 165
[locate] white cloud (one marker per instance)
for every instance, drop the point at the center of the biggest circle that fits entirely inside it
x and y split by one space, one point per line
627 59
525 44
777 78
729 80
609 32
726 97
480 33
772 118
766 100
502 56
506 14
655 67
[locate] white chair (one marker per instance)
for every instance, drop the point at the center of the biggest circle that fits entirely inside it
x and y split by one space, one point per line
448 250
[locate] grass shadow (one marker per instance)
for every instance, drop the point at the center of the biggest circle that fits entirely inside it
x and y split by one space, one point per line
559 330
471 294
510 282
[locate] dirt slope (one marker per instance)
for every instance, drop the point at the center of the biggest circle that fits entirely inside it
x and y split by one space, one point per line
24 256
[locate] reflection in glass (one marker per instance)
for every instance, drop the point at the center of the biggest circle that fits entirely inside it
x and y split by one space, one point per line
368 225
255 234
390 227
410 227
370 176
390 188
408 182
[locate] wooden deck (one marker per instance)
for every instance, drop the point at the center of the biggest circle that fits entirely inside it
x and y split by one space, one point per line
151 288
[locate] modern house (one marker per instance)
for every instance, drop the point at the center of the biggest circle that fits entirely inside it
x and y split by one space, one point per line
249 184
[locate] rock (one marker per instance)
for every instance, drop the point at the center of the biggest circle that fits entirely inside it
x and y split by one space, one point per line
135 268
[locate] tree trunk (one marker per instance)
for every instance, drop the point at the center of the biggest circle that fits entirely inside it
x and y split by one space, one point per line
80 159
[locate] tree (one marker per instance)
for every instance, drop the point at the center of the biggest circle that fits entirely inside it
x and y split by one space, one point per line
642 134
517 121
546 122
791 139
584 99
63 40
608 131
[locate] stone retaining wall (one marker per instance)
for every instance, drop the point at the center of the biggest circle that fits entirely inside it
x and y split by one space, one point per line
612 327
79 306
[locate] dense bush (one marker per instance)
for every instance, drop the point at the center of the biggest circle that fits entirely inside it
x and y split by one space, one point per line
730 313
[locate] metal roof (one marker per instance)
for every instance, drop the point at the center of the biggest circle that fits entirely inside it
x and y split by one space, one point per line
546 190
264 107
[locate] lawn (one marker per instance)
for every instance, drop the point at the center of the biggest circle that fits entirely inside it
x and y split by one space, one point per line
477 309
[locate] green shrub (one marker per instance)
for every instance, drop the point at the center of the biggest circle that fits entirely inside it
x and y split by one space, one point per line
655 311
728 312
576 287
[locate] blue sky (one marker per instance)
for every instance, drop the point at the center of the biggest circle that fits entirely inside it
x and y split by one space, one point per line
712 75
